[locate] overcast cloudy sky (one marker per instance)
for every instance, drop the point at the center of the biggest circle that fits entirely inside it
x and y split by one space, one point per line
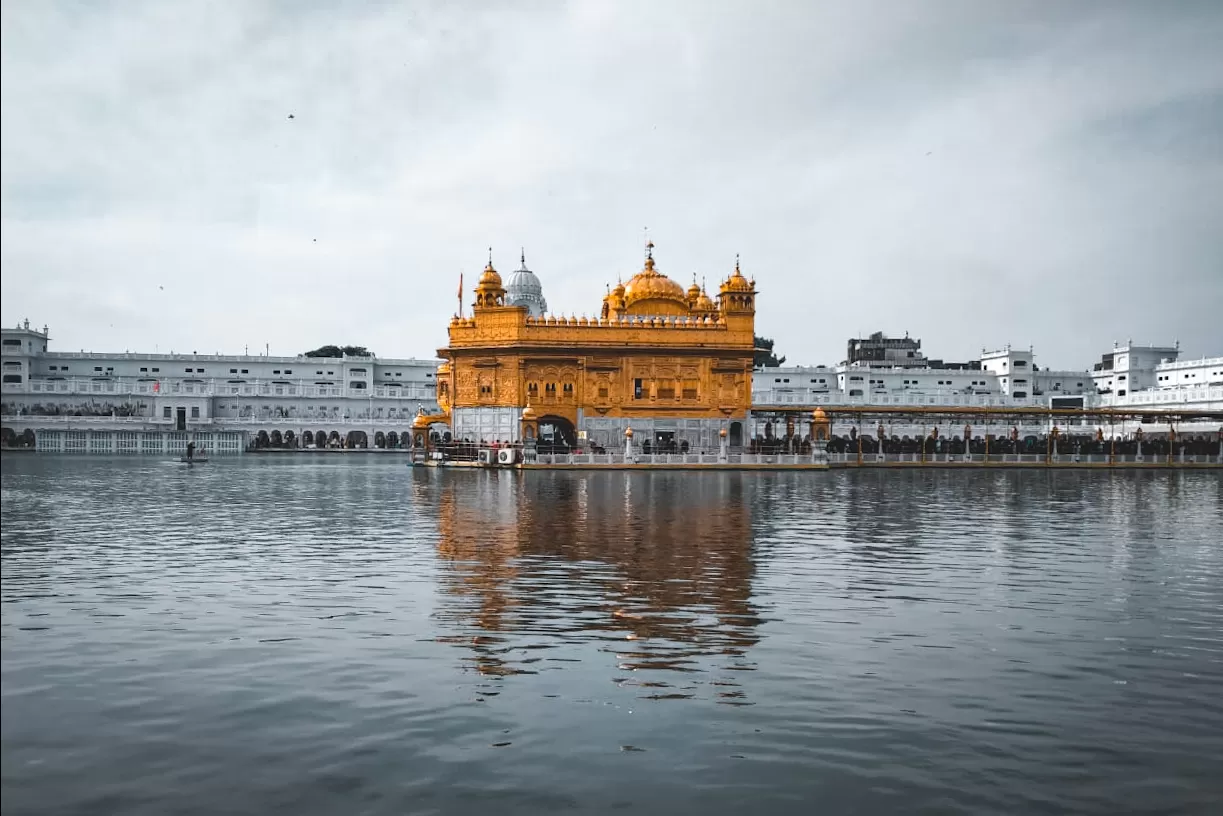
975 173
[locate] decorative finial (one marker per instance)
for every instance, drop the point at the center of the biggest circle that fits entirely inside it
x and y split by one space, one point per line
736 262
490 256
524 257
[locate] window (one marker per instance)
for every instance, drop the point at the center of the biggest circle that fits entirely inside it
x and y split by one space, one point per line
155 370
231 371
855 392
144 369
199 371
318 372
1020 363
12 378
400 374
533 389
568 389
1020 394
195 412
637 388
666 390
99 368
244 371
486 390
165 412
10 341
277 371
602 391
1121 393
690 389
188 370
287 370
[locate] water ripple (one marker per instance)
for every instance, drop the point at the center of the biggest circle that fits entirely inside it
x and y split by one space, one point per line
360 637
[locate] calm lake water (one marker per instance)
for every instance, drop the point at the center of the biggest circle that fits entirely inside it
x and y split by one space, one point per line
348 636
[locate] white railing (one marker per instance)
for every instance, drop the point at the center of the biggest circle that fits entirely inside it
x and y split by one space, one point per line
417 392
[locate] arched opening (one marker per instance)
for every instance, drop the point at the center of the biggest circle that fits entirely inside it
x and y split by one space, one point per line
8 437
556 434
276 439
379 440
290 439
308 438
261 439
334 439
392 440
357 439
736 434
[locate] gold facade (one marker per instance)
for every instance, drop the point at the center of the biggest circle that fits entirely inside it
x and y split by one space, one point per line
655 350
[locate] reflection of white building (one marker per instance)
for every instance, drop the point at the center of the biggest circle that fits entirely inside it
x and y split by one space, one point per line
80 400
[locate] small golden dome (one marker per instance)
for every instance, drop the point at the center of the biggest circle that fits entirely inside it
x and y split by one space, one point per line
704 303
421 423
628 432
818 415
722 433
694 291
528 414
490 277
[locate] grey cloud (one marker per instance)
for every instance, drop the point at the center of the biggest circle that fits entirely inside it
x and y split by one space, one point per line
976 173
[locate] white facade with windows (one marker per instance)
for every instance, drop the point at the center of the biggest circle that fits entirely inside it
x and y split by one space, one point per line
49 391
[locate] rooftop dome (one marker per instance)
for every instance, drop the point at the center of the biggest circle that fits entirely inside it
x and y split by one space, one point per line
525 289
651 285
736 282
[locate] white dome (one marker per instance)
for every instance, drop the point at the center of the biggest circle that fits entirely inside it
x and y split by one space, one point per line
524 289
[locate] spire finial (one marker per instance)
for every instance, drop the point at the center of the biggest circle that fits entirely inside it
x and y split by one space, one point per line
736 261
490 256
524 257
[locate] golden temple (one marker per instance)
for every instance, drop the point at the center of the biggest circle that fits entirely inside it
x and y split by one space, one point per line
674 365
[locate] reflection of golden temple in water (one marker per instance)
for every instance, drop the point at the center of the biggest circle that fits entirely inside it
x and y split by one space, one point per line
656 574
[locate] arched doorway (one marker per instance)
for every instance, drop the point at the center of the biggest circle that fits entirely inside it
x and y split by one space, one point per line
290 439
556 433
357 439
308 438
379 440
276 439
392 440
8 438
334 439
261 439
736 434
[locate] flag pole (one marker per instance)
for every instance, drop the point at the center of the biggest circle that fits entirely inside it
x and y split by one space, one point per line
460 294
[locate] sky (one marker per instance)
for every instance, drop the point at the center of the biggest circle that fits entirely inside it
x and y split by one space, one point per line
218 176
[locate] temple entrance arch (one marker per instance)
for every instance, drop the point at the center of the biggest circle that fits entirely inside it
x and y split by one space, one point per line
308 438
736 434
556 433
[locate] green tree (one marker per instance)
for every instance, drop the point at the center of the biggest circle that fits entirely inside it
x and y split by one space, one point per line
765 355
340 351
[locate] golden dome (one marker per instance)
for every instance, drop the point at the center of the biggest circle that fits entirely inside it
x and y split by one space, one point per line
421 423
528 414
736 282
490 277
704 303
650 284
818 415
694 291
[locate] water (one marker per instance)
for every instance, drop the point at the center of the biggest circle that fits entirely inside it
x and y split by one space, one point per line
348 635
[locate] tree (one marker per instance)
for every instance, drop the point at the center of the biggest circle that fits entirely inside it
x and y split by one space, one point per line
340 351
764 353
